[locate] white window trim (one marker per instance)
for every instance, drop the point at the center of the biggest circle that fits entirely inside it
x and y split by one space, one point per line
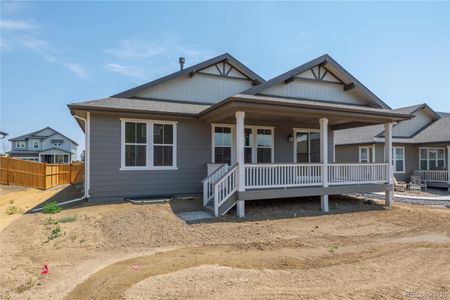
254 129
394 159
35 143
19 144
371 160
428 156
309 130
149 158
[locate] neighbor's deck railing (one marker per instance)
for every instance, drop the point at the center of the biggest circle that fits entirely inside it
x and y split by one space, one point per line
432 175
357 173
282 175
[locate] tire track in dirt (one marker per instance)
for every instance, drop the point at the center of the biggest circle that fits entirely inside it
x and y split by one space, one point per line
113 281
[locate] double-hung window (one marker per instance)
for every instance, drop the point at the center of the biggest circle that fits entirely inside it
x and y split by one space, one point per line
264 140
20 144
135 144
398 159
35 145
163 145
432 158
148 145
222 144
258 144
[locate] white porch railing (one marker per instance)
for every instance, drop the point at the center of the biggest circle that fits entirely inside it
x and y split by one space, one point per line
208 183
282 175
432 175
357 173
225 187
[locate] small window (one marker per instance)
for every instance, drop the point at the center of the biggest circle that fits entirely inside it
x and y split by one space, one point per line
20 144
35 145
222 145
135 144
398 159
57 144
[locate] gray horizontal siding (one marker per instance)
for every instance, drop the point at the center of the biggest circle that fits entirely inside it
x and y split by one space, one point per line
194 152
107 180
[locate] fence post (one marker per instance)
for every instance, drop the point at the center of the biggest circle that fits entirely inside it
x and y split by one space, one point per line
45 176
7 170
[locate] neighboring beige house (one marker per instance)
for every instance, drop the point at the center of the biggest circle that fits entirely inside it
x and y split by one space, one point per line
421 145
219 129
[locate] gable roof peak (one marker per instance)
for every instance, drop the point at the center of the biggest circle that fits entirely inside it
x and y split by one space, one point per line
202 65
324 59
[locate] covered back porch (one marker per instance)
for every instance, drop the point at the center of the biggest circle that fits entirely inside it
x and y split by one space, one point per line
267 147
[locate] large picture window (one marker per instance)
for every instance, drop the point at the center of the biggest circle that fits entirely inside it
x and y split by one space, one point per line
307 145
432 158
148 144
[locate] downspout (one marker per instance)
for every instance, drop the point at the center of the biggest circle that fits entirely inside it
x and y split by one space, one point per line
87 155
86 163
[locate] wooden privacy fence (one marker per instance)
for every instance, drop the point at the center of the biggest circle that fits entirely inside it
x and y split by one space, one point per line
39 175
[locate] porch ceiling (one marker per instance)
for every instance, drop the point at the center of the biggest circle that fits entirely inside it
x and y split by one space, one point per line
306 112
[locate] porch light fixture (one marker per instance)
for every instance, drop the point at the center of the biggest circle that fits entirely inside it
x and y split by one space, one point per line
290 138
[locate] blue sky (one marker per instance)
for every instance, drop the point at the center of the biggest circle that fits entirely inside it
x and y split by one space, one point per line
55 53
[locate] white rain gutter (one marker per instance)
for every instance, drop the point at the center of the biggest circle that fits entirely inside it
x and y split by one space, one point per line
86 164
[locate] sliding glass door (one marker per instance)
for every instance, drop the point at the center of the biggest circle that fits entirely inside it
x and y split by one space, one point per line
307 146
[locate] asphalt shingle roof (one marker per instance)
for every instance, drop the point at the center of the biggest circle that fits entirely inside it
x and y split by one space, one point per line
147 106
438 131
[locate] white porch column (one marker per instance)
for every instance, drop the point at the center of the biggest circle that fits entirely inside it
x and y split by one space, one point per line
448 167
389 194
240 142
324 161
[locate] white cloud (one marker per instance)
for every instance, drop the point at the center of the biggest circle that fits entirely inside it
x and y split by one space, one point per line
146 58
12 7
40 47
124 70
9 24
77 69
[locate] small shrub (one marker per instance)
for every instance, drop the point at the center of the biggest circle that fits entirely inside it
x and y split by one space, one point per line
51 208
50 221
332 249
56 232
12 210
67 219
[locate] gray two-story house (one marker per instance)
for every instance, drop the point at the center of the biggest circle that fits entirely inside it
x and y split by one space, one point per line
45 145
220 130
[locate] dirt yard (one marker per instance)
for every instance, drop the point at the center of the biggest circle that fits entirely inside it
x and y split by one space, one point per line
283 249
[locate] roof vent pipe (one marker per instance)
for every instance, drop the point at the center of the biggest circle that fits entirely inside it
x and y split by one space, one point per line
181 61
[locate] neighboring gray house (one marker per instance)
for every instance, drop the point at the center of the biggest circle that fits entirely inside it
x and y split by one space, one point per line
45 145
219 129
421 145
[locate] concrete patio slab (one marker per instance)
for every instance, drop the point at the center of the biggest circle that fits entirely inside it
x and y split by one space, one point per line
194 215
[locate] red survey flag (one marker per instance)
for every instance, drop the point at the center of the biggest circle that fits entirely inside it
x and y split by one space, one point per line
44 270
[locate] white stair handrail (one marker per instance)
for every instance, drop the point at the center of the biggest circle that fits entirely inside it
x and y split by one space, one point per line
208 182
225 187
